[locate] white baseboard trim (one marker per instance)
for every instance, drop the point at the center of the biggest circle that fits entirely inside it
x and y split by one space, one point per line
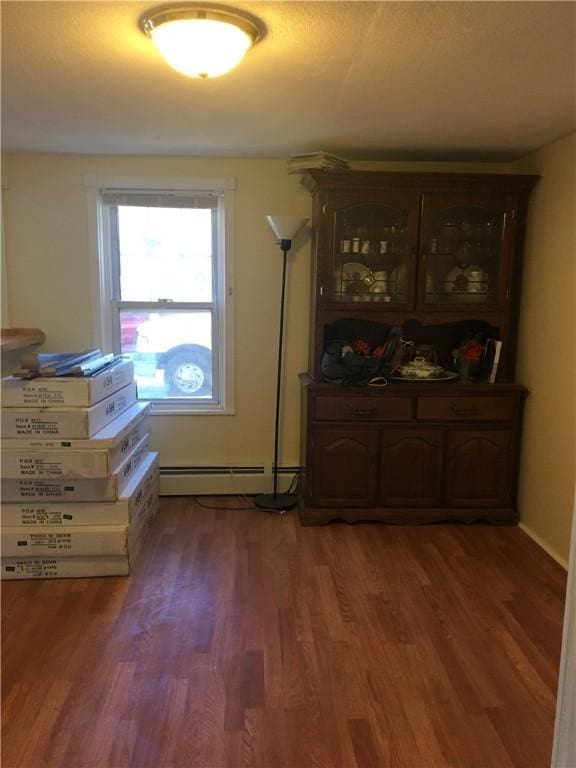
542 544
222 481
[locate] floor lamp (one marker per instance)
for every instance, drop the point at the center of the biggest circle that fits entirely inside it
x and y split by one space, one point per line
285 228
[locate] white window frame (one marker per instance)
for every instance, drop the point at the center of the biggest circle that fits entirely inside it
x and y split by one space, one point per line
105 327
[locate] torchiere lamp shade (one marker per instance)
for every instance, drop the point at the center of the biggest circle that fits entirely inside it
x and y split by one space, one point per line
286 227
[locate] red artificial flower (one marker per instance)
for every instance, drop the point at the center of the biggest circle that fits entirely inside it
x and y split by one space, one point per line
472 351
360 347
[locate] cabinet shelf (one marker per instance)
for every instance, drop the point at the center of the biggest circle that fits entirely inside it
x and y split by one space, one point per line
12 339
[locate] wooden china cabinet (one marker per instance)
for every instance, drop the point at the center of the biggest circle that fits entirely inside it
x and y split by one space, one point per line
438 255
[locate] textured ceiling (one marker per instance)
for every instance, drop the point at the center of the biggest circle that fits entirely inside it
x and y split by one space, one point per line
476 80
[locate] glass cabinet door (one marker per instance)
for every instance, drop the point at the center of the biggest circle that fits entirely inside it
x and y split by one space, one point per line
463 252
372 251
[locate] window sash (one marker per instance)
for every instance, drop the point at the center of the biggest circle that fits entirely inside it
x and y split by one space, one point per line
161 306
112 201
133 306
113 235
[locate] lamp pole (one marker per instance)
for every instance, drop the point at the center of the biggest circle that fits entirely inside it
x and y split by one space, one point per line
280 502
285 246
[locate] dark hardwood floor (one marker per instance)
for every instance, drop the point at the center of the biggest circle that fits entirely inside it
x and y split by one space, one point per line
243 639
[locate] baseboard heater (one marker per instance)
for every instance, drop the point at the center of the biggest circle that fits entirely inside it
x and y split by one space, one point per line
222 479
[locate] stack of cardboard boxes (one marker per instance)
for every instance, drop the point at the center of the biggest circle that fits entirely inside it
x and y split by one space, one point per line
79 483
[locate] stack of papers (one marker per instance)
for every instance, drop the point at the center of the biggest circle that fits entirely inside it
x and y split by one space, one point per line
85 363
320 161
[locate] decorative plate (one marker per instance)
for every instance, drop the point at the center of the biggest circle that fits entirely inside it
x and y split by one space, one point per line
446 376
354 270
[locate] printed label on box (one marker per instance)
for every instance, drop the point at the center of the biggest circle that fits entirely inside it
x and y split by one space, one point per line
58 568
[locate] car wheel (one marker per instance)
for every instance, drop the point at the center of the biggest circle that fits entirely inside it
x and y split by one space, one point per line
189 373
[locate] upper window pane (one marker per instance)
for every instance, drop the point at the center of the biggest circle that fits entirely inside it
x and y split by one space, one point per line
165 253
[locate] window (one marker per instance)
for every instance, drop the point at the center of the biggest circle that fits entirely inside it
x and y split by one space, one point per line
163 287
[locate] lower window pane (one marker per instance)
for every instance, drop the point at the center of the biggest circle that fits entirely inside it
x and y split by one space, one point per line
172 352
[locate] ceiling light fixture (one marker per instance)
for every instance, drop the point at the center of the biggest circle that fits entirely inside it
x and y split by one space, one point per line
201 41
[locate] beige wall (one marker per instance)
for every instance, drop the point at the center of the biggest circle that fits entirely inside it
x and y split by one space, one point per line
48 285
4 313
547 346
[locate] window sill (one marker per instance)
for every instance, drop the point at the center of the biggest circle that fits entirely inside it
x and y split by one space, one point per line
167 409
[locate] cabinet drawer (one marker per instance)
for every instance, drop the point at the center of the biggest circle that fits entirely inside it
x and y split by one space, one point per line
466 408
363 408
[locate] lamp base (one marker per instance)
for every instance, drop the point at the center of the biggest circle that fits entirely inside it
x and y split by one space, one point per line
281 502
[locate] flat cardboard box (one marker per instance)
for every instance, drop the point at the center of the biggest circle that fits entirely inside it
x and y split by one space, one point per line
34 514
76 489
81 566
16 568
66 422
106 438
74 541
78 541
66 462
67 390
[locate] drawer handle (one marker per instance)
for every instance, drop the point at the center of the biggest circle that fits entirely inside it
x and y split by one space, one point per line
363 411
464 410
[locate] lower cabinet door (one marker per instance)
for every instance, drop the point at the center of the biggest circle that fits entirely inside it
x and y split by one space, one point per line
411 467
479 468
344 467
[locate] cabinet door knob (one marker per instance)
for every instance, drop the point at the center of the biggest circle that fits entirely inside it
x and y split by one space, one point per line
463 410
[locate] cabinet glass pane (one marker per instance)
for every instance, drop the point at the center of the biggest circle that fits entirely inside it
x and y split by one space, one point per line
371 252
464 251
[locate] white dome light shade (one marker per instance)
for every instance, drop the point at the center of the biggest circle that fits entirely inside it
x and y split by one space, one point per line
286 227
200 42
